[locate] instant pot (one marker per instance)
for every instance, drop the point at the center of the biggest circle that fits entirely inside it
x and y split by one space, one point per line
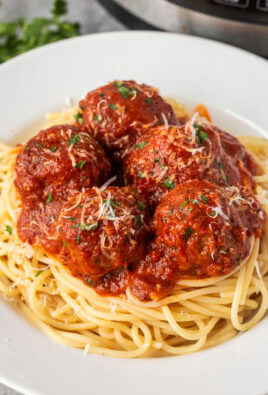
243 23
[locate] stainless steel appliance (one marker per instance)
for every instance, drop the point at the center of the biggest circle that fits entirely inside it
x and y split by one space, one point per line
243 23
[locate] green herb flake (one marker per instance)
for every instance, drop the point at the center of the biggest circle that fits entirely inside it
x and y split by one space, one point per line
119 83
168 184
81 164
77 225
64 242
204 198
162 165
53 149
184 203
157 160
190 209
101 95
141 205
124 91
90 282
152 173
38 273
95 227
74 139
200 135
138 220
83 226
141 175
8 229
227 179
113 106
149 100
141 145
49 198
39 145
78 239
114 202
98 117
213 214
187 233
219 164
195 201
79 118
71 219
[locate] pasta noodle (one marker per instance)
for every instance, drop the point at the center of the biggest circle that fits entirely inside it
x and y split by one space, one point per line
197 316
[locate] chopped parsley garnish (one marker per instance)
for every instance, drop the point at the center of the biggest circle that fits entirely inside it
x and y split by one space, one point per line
64 242
74 139
168 184
227 179
190 209
124 91
71 219
95 226
78 239
184 203
113 106
141 175
204 198
141 205
119 83
77 225
219 164
195 201
162 165
200 135
27 148
213 214
141 145
38 144
49 198
187 233
81 164
101 95
157 160
38 273
138 220
152 173
89 282
53 149
79 118
83 226
98 117
8 229
149 100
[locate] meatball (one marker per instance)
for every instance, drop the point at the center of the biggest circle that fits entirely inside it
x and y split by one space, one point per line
102 231
118 113
199 233
166 156
58 161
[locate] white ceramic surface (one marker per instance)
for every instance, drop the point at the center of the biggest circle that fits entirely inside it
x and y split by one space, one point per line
234 86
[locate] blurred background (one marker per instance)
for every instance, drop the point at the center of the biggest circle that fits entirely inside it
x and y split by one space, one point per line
243 23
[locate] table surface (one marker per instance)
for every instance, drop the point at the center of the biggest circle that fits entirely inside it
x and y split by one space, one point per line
92 17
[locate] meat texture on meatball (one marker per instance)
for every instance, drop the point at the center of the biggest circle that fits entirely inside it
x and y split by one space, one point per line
57 161
118 113
101 231
200 233
167 156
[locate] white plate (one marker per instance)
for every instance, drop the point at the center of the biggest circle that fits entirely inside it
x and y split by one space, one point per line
233 84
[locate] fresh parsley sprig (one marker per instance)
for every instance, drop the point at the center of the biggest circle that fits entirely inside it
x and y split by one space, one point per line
22 35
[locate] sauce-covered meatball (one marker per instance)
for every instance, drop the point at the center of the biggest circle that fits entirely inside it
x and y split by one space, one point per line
167 156
102 232
118 113
58 161
200 232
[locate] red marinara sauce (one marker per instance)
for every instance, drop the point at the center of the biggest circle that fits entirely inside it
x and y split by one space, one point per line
167 156
118 113
53 165
102 233
201 231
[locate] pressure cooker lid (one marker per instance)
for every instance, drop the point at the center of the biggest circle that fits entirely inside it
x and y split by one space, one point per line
253 11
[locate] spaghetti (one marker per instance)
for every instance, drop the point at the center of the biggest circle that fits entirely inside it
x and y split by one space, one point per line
196 316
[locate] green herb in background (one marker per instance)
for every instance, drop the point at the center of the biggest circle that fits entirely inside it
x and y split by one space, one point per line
22 35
